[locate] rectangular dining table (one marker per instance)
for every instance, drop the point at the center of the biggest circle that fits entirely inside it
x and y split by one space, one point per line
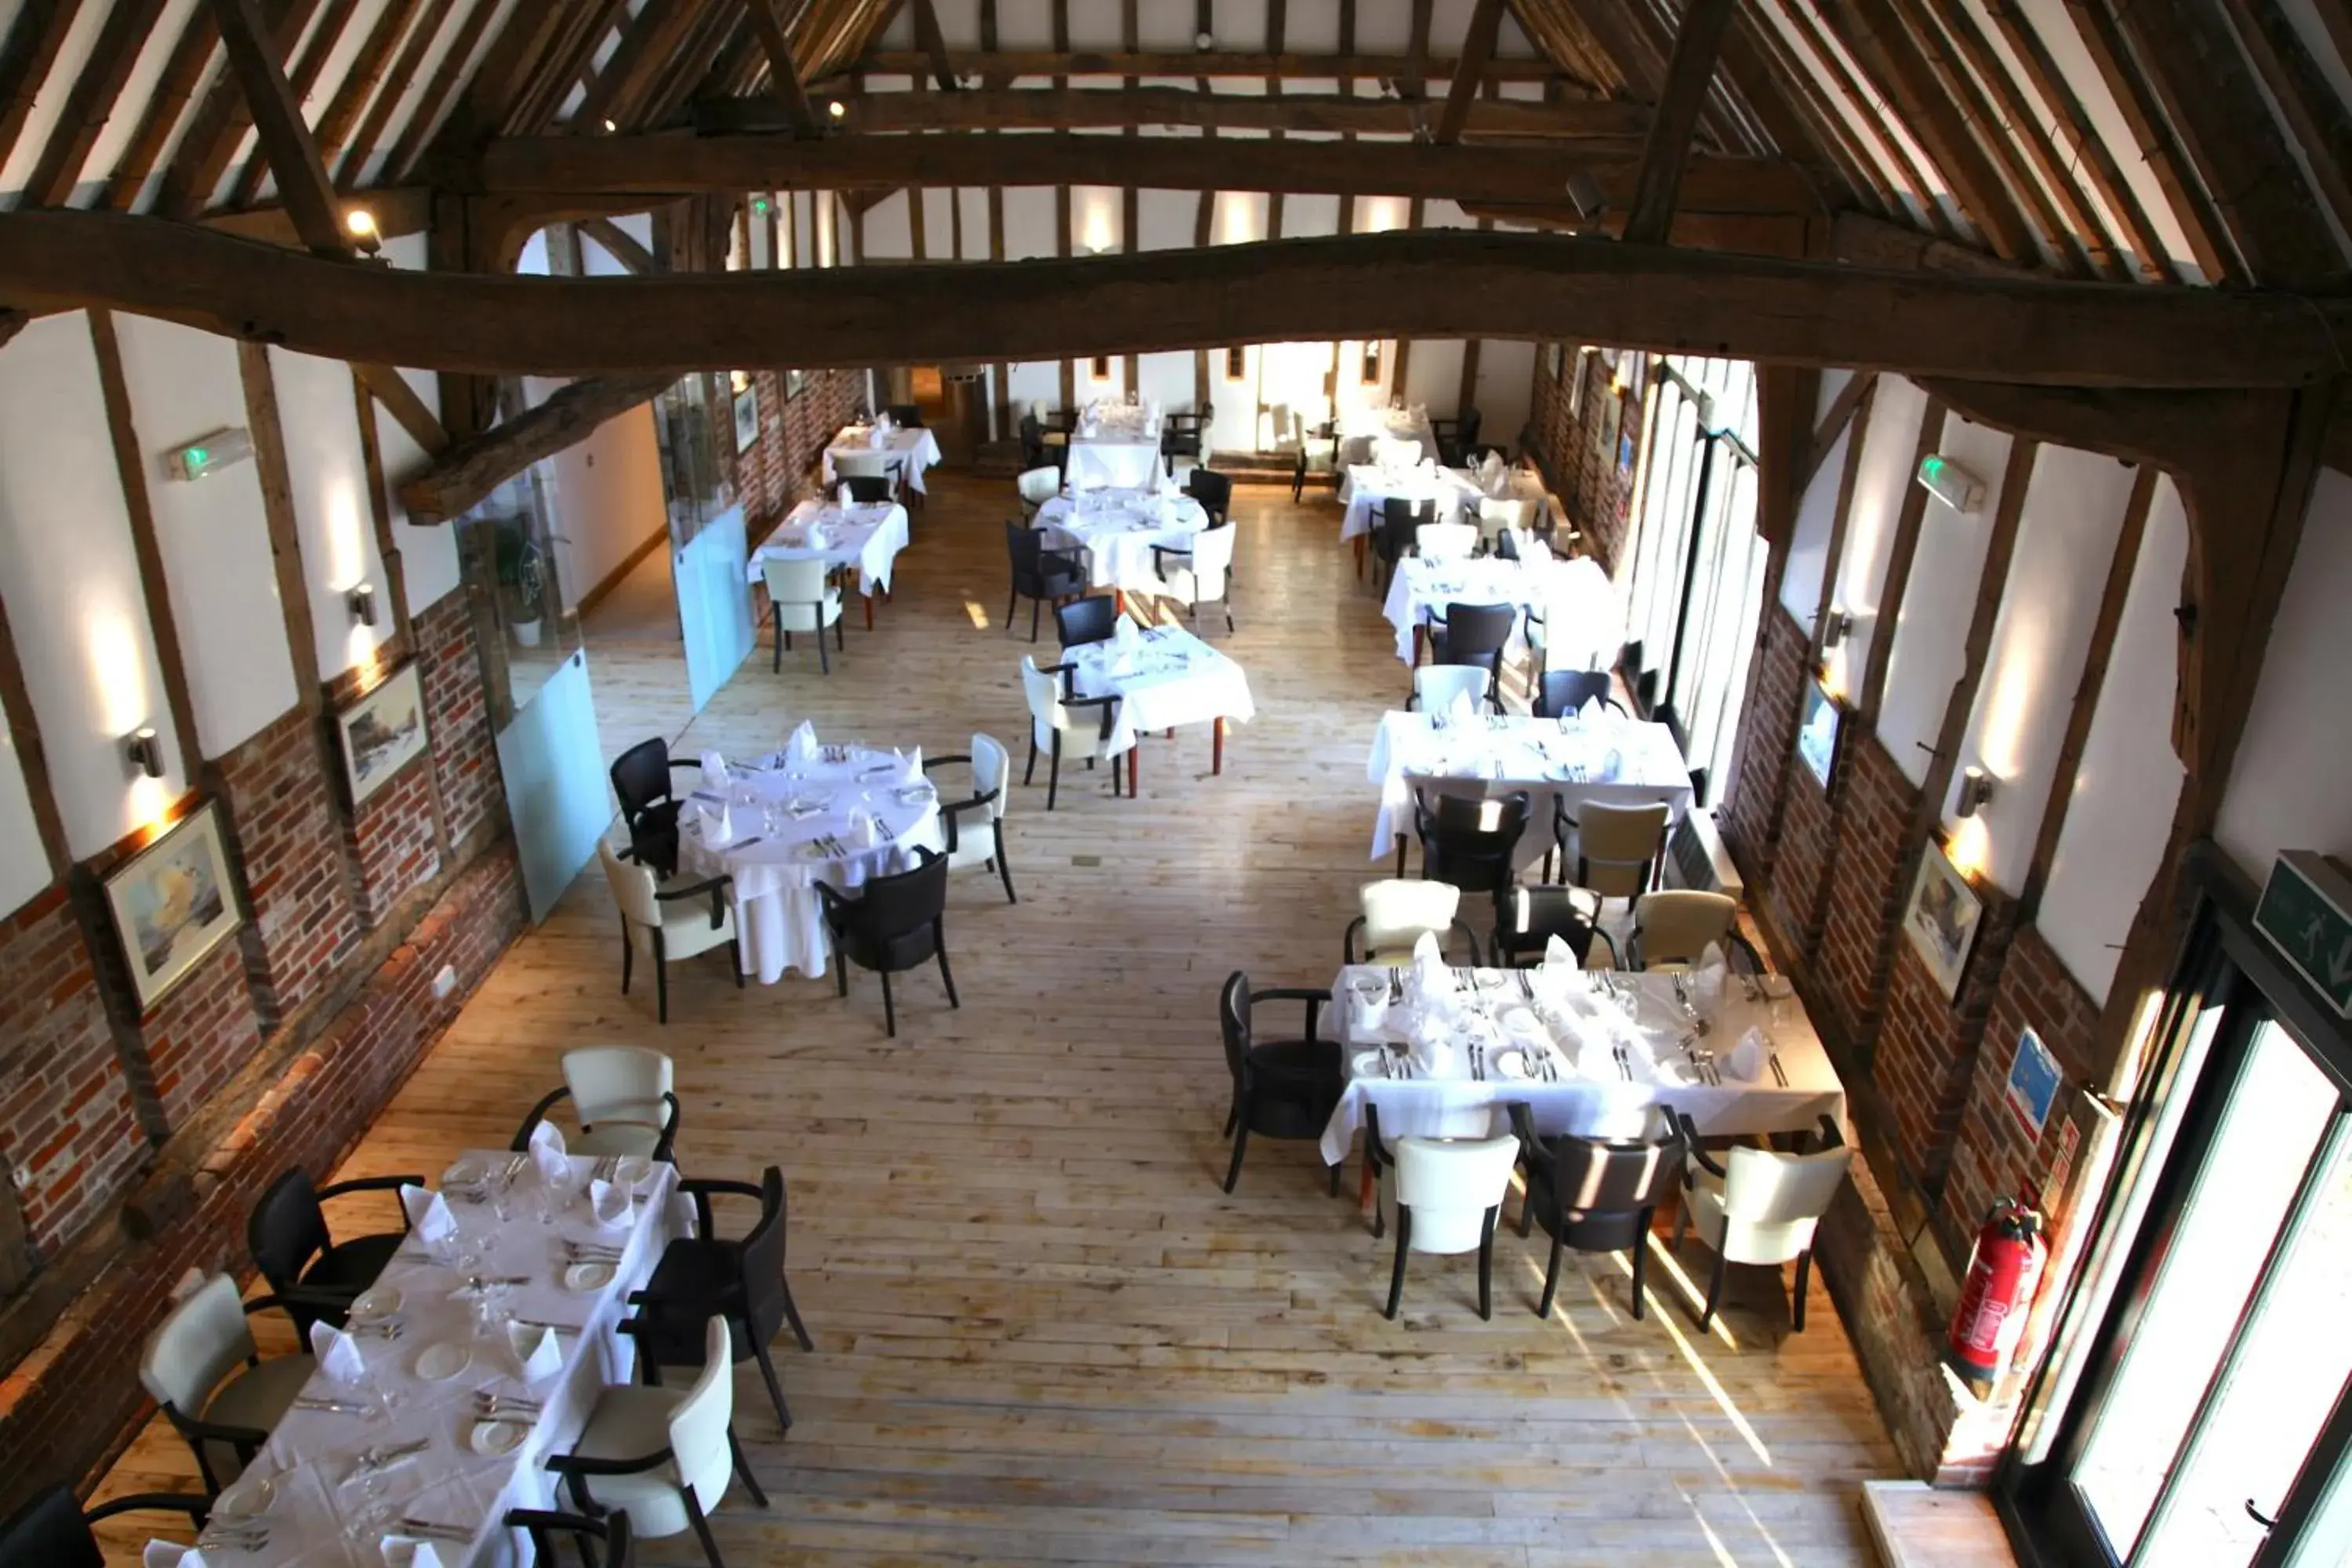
913 448
1169 678
1571 593
1609 758
868 538
1363 487
323 1493
1117 528
1592 1095
1113 460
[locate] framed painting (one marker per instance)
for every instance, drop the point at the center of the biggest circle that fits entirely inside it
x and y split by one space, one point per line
1942 916
382 732
1555 357
1817 737
172 903
747 419
794 380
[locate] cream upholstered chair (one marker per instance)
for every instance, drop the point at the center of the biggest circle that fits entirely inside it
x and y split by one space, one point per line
669 921
1672 929
623 1096
1614 846
1397 911
1493 516
1444 541
1759 1205
200 1366
1201 572
975 821
1037 487
1435 685
801 598
1052 714
1443 1195
662 1456
874 465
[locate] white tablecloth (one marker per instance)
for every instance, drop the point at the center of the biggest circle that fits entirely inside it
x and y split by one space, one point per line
312 1454
1360 428
1116 529
1177 680
1599 1101
1119 462
775 858
867 537
1573 596
918 449
1364 486
1496 754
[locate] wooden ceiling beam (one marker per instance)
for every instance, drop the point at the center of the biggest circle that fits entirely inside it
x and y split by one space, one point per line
302 182
30 49
1009 63
220 122
2144 118
1436 284
1478 48
89 102
1610 26
672 164
572 62
1068 108
934 45
166 102
352 128
783 73
447 76
2312 111
1688 75
619 243
301 75
466 474
646 45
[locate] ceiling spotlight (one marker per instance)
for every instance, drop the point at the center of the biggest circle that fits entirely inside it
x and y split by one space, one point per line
360 222
144 751
1203 41
837 109
610 126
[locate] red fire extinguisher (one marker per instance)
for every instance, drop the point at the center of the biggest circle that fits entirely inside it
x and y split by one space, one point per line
2004 1267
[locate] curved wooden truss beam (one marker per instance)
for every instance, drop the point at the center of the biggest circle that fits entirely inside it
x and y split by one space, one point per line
1440 283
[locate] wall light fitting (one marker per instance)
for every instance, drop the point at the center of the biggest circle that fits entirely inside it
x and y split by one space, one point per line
1976 789
207 455
144 751
360 222
837 109
361 600
1836 628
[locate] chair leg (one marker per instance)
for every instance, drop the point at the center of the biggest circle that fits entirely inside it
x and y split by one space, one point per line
775 1387
792 1316
743 1468
776 658
947 976
1551 1280
1234 1114
840 632
1005 867
1012 604
1035 607
1804 1279
890 1009
735 956
702 1528
1053 773
628 957
1335 1180
1029 773
840 971
1640 1260
661 989
1486 1264
1396 1275
823 664
1714 1293
1241 1141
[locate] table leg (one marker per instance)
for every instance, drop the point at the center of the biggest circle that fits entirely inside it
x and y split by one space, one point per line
1364 1187
1134 767
1217 756
869 610
1359 542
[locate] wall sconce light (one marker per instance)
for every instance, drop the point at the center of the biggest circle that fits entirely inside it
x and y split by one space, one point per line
837 109
1585 195
361 600
609 126
1976 789
359 224
1836 628
144 751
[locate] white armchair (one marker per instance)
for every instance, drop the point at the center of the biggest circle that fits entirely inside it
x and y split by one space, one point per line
1396 911
1435 685
662 1456
668 920
1200 573
1037 487
1495 516
1759 1205
975 821
1444 1196
801 598
200 1366
1054 714
623 1096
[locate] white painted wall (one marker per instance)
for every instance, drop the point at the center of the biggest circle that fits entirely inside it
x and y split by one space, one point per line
70 580
2125 791
332 519
889 232
1506 379
2289 787
1809 542
1933 624
1896 414
24 869
607 500
213 533
429 555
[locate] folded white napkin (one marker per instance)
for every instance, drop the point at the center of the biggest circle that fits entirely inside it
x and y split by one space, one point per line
801 746
1461 710
609 1202
714 772
1747 1060
912 773
1708 979
1591 712
1124 636
337 1354
547 1153
880 437
816 536
1493 467
1433 1053
1558 959
718 821
172 1554
407 1551
862 831
535 1348
1535 551
1430 976
429 1219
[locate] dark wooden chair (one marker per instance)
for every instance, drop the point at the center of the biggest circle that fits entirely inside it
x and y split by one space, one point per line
1214 491
898 922
1401 519
52 1531
314 1274
1475 634
1039 575
867 489
705 1275
906 415
1527 917
1281 1089
1468 840
1184 435
1456 438
649 802
1595 1194
1560 692
1092 619
545 1527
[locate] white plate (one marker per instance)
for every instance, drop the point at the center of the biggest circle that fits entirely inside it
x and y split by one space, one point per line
1368 1064
1521 1021
1511 1064
249 1496
381 1300
498 1436
438 1364
588 1277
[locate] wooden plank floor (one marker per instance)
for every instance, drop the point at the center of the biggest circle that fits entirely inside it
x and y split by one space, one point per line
1044 1333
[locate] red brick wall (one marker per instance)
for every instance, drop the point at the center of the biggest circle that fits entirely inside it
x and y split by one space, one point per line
68 1131
199 1034
1767 739
395 842
297 892
1801 857
1579 456
1928 1043
464 752
1874 803
792 434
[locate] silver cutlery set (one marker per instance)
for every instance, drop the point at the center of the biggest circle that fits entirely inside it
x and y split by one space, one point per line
505 1409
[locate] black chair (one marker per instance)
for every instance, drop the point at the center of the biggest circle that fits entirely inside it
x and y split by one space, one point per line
1281 1089
867 489
1326 431
1475 634
1401 519
52 1531
1183 434
543 1527
1038 573
1595 1194
649 805
1033 444
1093 618
1468 840
1214 491
1564 691
1527 917
899 923
1506 544
906 415
705 1275
315 1275
1456 438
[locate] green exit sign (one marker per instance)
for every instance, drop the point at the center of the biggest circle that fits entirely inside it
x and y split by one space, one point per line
2306 913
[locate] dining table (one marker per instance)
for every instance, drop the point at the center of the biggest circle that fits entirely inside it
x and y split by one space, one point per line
1571 594
1113 459
1593 1053
1453 493
1164 676
1117 528
866 539
444 1426
1362 431
913 448
780 825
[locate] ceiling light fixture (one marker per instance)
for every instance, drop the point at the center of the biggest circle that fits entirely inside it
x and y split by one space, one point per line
1837 628
361 602
1203 42
610 126
144 751
1976 789
837 109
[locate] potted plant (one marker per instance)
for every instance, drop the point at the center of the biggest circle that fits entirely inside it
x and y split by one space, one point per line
522 576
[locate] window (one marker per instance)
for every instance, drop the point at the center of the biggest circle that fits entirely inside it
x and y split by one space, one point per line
1371 375
1236 364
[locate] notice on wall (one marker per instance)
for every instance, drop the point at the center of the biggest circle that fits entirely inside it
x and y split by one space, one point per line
2033 1083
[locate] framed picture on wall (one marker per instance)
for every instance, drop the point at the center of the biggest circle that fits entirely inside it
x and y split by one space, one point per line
747 418
794 380
382 732
172 903
1817 736
1554 358
1941 917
